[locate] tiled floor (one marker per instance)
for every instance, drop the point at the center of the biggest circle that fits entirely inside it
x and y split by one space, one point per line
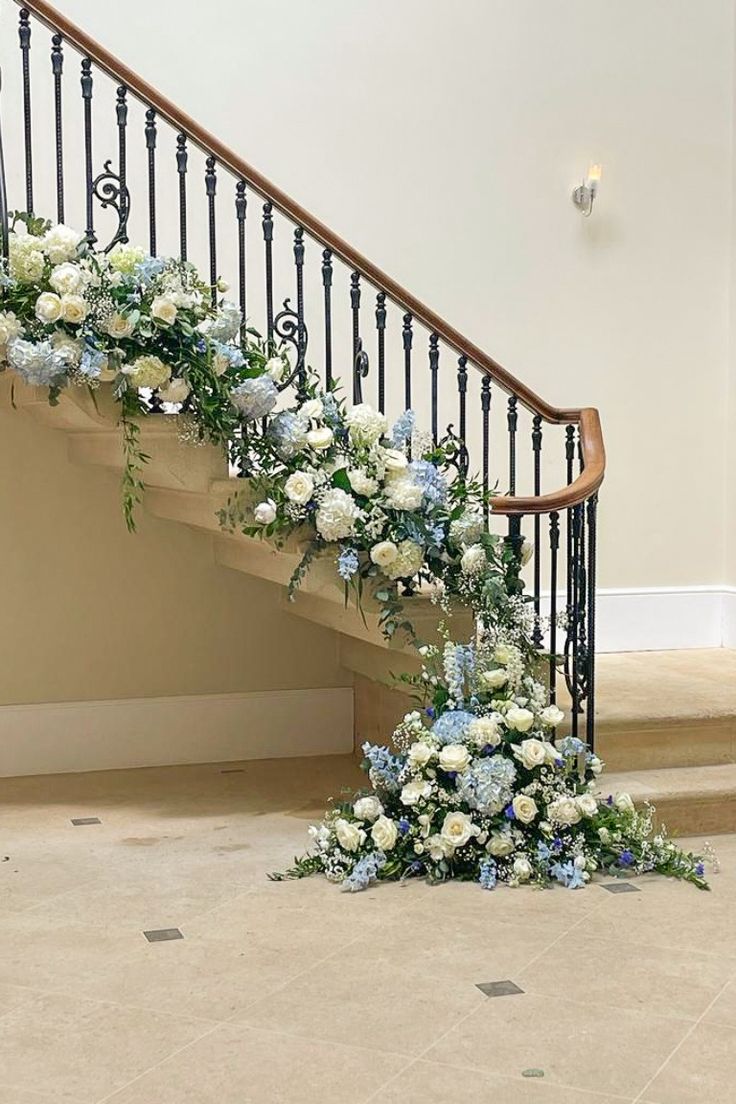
293 993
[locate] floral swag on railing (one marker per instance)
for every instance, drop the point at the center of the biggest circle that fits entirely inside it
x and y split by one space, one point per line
476 785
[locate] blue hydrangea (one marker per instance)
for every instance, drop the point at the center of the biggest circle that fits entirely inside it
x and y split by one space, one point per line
451 727
330 411
430 479
347 563
543 851
255 398
92 362
488 784
403 428
289 434
232 354
384 766
364 872
571 745
487 875
147 269
567 874
226 323
38 363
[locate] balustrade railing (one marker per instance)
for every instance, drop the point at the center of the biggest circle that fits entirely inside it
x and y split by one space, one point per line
91 143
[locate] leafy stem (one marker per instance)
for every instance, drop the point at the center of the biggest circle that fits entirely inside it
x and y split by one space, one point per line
135 459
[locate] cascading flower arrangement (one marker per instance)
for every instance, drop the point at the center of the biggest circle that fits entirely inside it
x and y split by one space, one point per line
477 786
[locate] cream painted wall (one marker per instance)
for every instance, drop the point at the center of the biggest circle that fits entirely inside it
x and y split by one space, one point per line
91 613
444 139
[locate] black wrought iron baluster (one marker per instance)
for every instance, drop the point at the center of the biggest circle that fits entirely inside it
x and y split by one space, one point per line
267 224
462 393
537 450
357 345
569 458
554 545
485 405
327 289
512 419
182 157
150 131
86 82
301 369
121 112
573 642
592 511
24 36
407 337
381 336
210 184
57 67
434 364
241 205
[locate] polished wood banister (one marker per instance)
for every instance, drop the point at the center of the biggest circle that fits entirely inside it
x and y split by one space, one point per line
587 419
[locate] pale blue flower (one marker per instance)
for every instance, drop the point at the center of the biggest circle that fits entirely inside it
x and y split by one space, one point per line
570 745
403 428
288 433
347 563
255 398
452 726
364 872
92 362
226 323
487 874
232 354
384 766
567 874
147 269
430 479
37 363
488 784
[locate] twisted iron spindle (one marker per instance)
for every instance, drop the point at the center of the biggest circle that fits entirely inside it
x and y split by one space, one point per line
574 625
569 458
241 205
512 419
267 225
554 545
357 345
121 113
182 157
327 291
537 451
86 82
301 375
485 405
57 67
24 36
150 132
462 392
592 510
381 336
434 363
210 184
407 337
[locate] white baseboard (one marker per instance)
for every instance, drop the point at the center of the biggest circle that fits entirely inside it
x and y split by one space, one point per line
142 732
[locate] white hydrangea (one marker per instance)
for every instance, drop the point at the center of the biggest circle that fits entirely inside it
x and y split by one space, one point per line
26 258
336 516
10 327
467 528
365 424
60 243
147 371
402 493
407 562
361 482
473 560
124 258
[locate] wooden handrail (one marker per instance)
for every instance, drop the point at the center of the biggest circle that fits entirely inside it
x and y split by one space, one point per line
587 419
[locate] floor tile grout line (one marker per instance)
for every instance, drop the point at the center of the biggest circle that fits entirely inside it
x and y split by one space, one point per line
684 1039
144 1073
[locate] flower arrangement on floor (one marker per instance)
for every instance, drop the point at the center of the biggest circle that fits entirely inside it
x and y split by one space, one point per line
477 786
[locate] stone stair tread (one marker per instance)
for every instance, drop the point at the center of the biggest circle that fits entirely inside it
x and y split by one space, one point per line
674 782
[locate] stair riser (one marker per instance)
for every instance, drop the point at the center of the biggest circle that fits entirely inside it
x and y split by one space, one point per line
714 814
709 743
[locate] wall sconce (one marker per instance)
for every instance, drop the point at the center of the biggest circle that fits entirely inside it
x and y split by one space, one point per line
584 195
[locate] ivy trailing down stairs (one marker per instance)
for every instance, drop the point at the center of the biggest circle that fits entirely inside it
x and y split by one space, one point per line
666 721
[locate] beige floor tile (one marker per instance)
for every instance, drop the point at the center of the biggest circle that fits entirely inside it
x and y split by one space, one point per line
723 1010
13 996
655 979
430 1083
240 1065
703 1068
80 1050
11 1095
585 1046
42 952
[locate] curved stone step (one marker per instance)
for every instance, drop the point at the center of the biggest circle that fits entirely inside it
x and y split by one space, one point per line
689 800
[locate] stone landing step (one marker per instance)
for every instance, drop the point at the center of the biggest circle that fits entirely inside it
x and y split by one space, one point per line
689 800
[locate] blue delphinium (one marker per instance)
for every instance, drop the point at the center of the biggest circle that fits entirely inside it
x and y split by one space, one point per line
626 858
403 428
452 726
347 563
487 875
384 766
330 410
364 872
430 479
487 784
567 874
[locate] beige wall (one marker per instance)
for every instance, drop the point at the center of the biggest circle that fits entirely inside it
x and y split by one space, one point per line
90 612
444 140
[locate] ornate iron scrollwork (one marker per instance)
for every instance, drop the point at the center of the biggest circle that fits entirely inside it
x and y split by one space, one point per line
360 371
289 328
111 192
460 459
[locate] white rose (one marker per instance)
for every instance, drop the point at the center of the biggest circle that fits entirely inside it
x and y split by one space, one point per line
473 560
275 369
299 487
220 364
521 720
368 808
265 512
418 848
415 791
402 493
532 753
564 810
384 833
176 391
525 808
552 716
522 868
457 829
312 409
420 753
483 730
163 310
587 804
60 243
361 482
48 307
119 325
394 460
624 802
349 836
595 764
551 753
365 424
66 279
10 327
73 308
500 844
319 439
438 848
454 757
493 680
384 553
504 653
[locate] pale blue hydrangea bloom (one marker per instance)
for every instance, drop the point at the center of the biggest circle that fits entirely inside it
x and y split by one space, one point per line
92 362
430 479
231 353
570 745
487 784
147 269
452 726
255 398
330 411
364 872
487 874
384 766
226 323
403 428
347 563
37 363
288 433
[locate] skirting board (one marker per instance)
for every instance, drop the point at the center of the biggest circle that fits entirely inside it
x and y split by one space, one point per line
58 737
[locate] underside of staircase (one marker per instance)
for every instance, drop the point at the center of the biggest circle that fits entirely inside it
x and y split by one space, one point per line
666 721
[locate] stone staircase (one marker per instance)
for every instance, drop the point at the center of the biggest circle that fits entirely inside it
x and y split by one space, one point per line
666 720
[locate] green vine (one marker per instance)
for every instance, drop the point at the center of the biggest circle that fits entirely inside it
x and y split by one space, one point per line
132 485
